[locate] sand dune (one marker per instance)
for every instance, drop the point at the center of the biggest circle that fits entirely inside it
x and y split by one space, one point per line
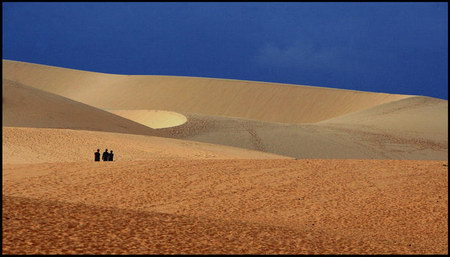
245 206
341 123
272 102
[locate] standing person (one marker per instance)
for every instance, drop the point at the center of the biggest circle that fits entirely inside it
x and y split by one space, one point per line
105 155
111 156
97 155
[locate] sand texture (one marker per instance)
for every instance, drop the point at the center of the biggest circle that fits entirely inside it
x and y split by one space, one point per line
217 166
227 206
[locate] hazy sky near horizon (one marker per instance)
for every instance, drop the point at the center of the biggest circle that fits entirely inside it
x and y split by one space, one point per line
380 47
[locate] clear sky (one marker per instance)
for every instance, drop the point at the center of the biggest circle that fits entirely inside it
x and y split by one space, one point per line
380 47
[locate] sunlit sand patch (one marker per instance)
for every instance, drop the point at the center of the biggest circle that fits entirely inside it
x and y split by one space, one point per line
155 119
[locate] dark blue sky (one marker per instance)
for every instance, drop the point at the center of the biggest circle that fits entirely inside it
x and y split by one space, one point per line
380 47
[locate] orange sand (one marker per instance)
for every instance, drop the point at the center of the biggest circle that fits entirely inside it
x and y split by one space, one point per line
227 206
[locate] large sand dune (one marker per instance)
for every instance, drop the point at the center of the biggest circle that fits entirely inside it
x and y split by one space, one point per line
271 102
186 179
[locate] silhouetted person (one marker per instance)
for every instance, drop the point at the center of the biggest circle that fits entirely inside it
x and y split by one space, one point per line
111 156
97 155
105 155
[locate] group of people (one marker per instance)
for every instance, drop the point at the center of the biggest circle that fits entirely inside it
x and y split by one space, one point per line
106 157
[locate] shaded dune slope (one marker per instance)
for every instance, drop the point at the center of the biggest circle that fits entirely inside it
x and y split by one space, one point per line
324 141
25 106
272 102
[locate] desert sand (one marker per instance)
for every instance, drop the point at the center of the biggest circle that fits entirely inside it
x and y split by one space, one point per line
218 166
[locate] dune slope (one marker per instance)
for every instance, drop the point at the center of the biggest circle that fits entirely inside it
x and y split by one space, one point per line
423 117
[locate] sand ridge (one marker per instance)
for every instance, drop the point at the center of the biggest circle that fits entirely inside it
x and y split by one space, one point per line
155 119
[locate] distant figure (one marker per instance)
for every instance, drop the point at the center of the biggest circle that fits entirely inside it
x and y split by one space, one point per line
105 155
111 156
97 155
